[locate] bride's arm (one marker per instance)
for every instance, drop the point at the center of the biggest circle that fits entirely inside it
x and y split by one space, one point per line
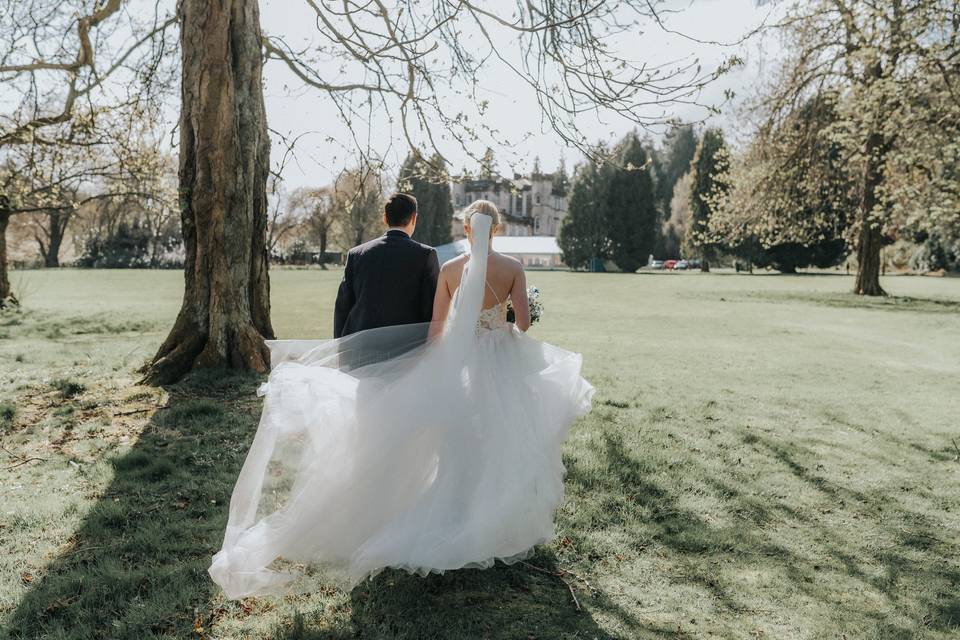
441 303
521 306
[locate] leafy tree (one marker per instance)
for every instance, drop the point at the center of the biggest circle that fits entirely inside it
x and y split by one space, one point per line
710 162
894 66
670 164
680 146
358 198
584 238
317 210
674 229
791 193
632 219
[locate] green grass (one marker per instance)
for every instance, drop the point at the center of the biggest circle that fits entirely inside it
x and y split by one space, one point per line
767 457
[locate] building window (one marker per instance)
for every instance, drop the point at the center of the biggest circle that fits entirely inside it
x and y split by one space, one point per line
537 198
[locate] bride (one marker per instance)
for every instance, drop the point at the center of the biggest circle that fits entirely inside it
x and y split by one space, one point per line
383 450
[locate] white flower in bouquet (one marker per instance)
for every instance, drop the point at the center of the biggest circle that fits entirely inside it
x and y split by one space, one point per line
536 307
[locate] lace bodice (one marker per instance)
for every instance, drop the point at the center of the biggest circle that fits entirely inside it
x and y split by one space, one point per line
492 318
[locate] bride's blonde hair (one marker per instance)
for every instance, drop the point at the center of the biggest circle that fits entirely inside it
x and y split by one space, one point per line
485 207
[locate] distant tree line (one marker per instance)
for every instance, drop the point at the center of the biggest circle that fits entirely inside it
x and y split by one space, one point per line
857 148
621 208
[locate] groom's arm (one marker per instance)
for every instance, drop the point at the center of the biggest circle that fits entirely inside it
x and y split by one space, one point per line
345 299
428 286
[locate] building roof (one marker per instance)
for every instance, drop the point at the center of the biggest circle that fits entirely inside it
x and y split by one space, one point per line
510 245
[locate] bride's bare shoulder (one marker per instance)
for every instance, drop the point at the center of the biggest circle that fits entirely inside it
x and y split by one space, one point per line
454 265
509 262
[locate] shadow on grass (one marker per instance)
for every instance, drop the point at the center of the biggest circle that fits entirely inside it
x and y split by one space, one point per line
137 566
853 301
501 602
905 559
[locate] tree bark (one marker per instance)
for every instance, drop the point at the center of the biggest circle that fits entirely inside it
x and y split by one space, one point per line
224 156
870 238
6 293
58 221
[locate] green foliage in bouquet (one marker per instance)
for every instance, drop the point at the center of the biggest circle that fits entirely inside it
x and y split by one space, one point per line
536 307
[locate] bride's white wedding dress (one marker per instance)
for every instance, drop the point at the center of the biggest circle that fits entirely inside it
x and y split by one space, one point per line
373 452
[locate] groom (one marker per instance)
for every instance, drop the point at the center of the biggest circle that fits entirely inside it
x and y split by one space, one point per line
390 280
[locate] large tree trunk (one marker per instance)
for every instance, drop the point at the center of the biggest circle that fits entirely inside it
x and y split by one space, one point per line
58 225
870 239
6 293
224 149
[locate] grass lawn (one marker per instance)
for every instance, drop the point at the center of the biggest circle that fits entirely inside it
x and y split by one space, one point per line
767 457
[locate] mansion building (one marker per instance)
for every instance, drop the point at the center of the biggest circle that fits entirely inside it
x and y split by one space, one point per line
533 205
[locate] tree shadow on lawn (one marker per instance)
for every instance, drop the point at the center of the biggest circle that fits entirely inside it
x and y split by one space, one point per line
137 566
915 554
501 602
918 580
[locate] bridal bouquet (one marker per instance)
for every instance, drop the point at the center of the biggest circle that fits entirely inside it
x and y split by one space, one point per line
536 307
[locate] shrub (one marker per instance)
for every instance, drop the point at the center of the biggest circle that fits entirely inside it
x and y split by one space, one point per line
7 413
68 388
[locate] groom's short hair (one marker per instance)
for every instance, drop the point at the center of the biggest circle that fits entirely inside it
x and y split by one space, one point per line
399 208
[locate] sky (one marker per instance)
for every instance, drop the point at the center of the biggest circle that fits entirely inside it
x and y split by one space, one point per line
323 145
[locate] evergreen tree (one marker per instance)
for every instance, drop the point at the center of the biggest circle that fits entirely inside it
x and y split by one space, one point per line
583 239
632 218
710 162
442 206
428 182
561 181
488 165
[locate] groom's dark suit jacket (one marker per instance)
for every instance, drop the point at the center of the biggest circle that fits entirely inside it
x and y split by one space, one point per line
388 281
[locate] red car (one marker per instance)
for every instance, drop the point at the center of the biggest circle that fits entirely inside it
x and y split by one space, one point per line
669 264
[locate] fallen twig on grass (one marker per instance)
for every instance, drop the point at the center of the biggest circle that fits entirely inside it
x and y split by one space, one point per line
143 410
20 459
560 574
25 461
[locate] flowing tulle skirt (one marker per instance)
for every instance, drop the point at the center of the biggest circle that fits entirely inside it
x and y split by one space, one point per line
423 458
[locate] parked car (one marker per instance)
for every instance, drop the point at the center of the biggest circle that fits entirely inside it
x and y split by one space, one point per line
669 264
681 265
656 264
696 263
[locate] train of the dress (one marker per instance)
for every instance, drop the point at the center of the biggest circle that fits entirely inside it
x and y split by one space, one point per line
383 449
419 462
